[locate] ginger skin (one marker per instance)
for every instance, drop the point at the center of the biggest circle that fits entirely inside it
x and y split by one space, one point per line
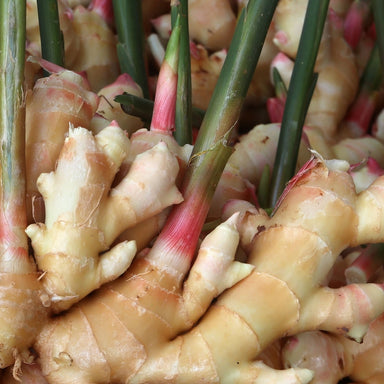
336 357
67 101
288 283
76 230
134 305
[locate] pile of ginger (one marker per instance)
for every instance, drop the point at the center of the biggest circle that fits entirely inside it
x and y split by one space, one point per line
101 291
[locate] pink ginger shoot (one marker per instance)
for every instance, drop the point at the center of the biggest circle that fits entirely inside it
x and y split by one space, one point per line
163 118
275 109
360 114
276 105
54 68
179 237
355 22
104 8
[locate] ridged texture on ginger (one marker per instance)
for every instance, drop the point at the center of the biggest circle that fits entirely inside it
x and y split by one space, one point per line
334 357
130 320
97 55
67 102
22 314
84 215
291 253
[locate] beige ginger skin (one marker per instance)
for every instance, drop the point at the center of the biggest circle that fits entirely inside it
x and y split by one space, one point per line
336 66
67 101
72 246
332 357
224 345
97 54
148 306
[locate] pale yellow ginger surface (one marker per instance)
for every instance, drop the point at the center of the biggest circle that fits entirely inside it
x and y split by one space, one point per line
22 314
130 320
212 23
336 66
67 101
291 253
84 214
333 357
97 54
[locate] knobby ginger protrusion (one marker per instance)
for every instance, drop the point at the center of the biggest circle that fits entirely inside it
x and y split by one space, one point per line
289 283
336 66
67 101
211 23
110 110
97 55
332 357
84 215
140 324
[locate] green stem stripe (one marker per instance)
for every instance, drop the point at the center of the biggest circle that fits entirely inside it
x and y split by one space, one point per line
211 152
51 36
183 123
238 69
12 52
298 97
143 108
378 14
130 48
13 217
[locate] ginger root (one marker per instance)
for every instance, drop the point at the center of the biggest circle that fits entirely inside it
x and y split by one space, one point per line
136 315
291 253
84 215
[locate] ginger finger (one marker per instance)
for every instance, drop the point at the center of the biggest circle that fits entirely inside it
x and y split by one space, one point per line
75 232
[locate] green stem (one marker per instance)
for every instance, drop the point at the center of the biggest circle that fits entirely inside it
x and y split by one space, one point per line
280 88
143 108
51 36
234 79
12 128
182 229
298 97
183 123
130 48
163 119
372 74
378 13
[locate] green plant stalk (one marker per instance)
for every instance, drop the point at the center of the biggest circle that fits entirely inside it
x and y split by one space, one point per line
51 36
280 88
181 231
378 14
143 108
13 240
298 97
130 48
263 187
183 122
232 86
372 76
